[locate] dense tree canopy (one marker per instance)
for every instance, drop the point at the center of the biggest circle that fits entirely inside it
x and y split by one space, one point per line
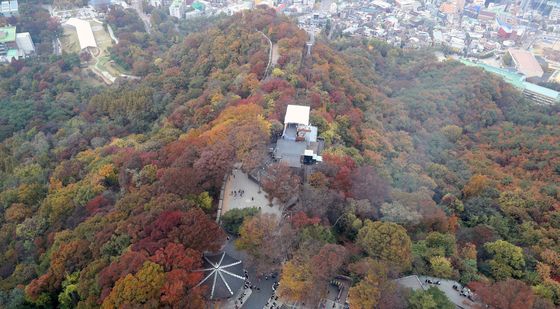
108 194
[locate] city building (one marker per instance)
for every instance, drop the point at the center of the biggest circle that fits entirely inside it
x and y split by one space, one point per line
554 13
541 95
448 8
15 45
99 4
25 45
407 5
270 3
535 93
9 8
526 63
177 9
156 3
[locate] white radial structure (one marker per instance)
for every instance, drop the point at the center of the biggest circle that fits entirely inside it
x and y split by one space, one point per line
224 275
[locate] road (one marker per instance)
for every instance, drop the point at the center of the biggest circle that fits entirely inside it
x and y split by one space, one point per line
137 5
270 54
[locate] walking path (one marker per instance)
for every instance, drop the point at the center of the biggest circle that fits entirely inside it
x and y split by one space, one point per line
112 35
272 55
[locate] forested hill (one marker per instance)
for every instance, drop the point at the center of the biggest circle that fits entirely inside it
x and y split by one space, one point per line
108 196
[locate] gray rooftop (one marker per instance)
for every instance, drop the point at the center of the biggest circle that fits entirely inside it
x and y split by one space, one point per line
289 152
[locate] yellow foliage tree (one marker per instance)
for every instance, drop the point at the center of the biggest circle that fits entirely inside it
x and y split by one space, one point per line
475 185
139 290
366 293
296 281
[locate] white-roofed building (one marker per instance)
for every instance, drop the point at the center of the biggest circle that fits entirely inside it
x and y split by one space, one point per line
299 139
177 9
297 114
9 8
85 33
25 44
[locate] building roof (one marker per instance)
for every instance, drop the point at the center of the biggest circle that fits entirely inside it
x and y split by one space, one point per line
7 34
24 42
85 34
9 6
448 8
513 78
223 275
12 53
297 114
526 63
542 90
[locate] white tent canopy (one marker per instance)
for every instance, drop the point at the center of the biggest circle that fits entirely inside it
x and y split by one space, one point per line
85 34
297 114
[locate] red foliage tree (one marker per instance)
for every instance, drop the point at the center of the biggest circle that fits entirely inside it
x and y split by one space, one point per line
280 182
509 294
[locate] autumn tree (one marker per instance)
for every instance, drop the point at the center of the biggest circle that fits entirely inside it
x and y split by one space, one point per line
254 234
507 260
432 298
304 278
232 219
140 289
441 267
475 185
386 241
295 281
367 184
508 294
366 293
280 182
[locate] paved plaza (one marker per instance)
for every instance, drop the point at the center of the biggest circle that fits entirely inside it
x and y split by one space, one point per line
251 196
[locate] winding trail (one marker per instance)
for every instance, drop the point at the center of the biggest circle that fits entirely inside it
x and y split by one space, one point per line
272 55
112 35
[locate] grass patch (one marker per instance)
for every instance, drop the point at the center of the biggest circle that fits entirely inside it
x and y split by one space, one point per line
102 37
69 40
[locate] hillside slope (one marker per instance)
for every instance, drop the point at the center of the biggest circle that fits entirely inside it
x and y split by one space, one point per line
106 199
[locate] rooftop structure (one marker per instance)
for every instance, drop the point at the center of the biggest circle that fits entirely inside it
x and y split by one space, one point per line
526 63
223 275
533 92
99 3
541 95
177 9
407 5
9 8
7 34
25 44
299 139
15 45
448 8
297 114
270 3
85 33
